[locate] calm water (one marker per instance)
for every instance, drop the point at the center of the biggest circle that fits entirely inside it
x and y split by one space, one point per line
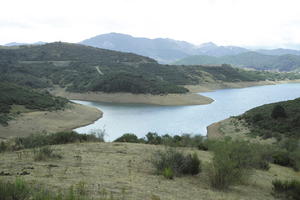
141 119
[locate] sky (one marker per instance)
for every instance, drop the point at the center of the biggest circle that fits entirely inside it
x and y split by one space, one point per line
248 23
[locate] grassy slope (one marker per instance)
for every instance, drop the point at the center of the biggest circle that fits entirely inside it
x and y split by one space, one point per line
118 167
249 59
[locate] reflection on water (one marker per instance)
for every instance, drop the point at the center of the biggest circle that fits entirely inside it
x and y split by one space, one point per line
141 119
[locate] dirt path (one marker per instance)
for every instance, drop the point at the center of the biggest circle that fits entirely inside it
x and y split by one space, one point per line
99 71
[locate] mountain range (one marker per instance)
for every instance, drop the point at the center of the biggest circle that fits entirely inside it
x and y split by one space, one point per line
169 51
251 59
11 44
166 50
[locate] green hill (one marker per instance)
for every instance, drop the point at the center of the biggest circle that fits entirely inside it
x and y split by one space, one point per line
275 125
280 120
248 60
80 68
15 99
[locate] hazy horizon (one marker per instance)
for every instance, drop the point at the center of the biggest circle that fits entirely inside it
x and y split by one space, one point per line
245 23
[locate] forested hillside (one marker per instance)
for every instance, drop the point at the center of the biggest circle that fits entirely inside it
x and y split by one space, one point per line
80 68
280 120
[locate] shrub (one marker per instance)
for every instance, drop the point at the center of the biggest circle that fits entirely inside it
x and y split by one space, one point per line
232 162
203 145
290 144
185 140
39 140
45 153
287 189
20 190
264 165
177 161
3 146
257 117
17 190
153 138
262 156
286 158
278 112
168 173
281 157
128 137
191 164
295 159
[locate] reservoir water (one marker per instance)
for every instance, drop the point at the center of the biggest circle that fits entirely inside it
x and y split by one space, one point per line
141 119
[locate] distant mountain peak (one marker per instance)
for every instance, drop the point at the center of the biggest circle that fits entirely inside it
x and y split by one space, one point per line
207 44
22 43
14 44
167 50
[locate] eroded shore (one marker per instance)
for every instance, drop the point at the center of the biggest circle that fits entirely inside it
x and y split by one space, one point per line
208 87
190 98
165 100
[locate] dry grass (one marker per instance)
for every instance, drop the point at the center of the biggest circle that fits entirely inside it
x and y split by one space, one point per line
123 168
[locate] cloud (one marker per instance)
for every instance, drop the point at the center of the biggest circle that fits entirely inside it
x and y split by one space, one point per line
13 25
235 22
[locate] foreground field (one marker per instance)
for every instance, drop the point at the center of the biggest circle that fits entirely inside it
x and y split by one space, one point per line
124 170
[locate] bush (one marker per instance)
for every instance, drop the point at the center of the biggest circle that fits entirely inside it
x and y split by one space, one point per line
39 140
128 137
281 157
185 140
17 190
203 145
232 162
45 153
20 190
257 117
295 159
278 112
176 161
191 164
153 138
3 146
168 173
287 189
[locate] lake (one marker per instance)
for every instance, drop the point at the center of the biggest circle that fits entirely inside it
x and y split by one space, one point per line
141 118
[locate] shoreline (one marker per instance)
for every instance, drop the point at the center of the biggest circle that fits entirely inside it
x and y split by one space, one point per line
162 100
191 98
49 122
209 87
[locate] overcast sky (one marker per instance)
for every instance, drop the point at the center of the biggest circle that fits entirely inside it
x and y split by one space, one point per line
267 23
